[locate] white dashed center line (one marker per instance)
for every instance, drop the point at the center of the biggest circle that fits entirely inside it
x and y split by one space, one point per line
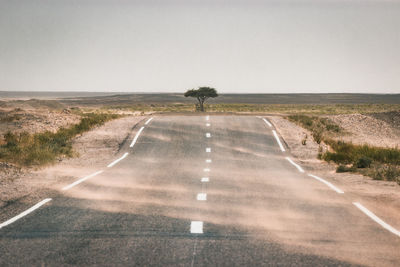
196 227
294 164
377 219
207 118
148 121
208 160
279 141
207 170
208 125
205 180
208 149
202 196
208 135
19 216
118 160
327 183
81 180
136 137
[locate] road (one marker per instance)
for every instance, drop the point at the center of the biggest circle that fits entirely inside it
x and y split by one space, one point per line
156 206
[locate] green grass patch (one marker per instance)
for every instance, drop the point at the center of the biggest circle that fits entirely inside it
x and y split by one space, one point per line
26 149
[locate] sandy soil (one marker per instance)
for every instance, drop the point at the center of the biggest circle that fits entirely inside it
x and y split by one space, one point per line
96 149
382 197
34 120
376 130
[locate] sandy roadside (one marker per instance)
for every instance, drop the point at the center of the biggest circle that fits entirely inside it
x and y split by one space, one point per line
381 197
96 149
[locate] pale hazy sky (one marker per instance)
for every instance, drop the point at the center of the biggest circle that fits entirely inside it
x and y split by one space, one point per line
270 46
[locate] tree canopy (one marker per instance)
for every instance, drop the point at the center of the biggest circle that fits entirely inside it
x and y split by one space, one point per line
202 94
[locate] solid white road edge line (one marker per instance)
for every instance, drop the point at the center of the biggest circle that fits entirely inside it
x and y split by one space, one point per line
279 141
136 137
377 219
19 216
267 122
118 160
81 180
327 183
148 121
202 196
196 227
294 164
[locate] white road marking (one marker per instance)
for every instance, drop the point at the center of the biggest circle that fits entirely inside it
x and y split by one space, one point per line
267 122
208 125
208 160
279 141
136 137
148 121
196 227
207 118
208 135
118 160
19 216
205 180
208 149
327 183
377 219
81 180
207 170
202 196
294 164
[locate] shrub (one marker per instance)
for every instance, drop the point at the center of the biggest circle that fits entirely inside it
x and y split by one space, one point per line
363 162
42 148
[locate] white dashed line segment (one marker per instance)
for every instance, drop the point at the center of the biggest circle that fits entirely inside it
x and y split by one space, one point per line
208 135
136 137
208 150
207 118
294 164
279 141
207 170
81 180
118 160
377 219
208 160
148 121
208 125
327 183
202 196
196 227
205 180
19 216
267 122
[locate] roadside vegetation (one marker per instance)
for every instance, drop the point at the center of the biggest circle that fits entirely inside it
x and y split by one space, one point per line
308 109
376 162
25 149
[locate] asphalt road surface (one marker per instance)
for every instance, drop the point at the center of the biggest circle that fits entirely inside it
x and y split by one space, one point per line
156 207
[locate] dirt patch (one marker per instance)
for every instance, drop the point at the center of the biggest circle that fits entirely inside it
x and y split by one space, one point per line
95 149
363 129
34 121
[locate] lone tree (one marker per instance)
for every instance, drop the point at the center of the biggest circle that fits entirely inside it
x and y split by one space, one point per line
202 94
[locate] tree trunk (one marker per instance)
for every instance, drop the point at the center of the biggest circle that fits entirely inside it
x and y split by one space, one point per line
201 106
